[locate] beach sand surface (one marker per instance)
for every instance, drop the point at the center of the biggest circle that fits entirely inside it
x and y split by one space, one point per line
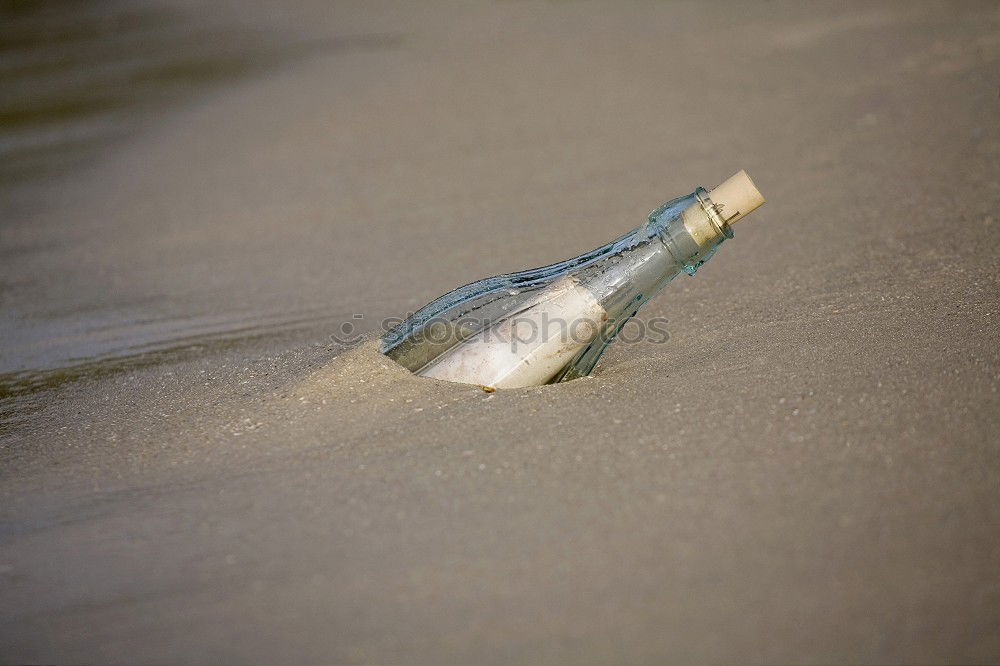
807 471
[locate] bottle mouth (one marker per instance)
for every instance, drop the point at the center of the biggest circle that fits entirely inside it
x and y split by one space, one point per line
736 197
713 212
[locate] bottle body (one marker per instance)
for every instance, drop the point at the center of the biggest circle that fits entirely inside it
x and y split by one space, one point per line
553 323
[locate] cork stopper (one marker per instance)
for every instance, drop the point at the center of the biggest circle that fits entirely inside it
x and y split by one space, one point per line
736 197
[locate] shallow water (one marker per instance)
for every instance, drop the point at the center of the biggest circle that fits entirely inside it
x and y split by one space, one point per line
81 79
78 75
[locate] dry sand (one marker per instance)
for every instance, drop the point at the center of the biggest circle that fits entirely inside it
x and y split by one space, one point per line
806 472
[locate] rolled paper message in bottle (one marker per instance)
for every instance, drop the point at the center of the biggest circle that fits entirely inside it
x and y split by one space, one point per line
552 324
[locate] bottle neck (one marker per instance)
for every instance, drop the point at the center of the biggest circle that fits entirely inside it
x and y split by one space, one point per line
696 233
676 238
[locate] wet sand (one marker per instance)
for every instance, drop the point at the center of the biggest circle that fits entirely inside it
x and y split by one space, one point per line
807 471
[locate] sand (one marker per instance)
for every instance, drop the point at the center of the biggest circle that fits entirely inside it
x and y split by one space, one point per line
807 471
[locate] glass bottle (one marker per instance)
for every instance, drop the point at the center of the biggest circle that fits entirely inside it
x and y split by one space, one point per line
552 324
